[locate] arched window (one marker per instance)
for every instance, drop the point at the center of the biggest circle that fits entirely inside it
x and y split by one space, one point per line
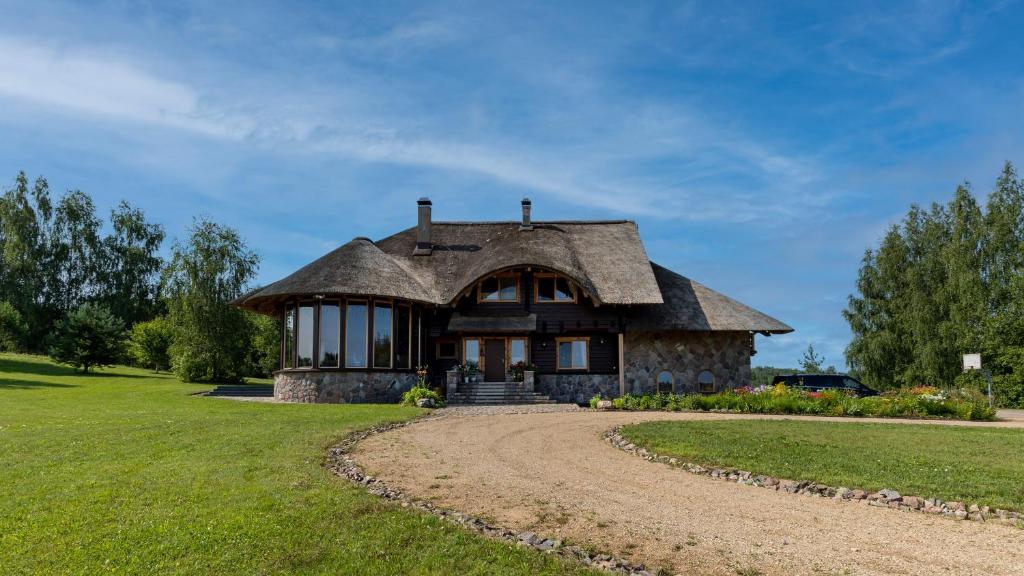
706 382
665 381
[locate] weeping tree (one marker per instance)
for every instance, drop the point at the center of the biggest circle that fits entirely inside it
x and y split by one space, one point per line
212 338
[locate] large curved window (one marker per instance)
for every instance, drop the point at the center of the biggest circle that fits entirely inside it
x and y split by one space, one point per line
552 288
706 382
355 335
330 335
305 340
382 335
665 382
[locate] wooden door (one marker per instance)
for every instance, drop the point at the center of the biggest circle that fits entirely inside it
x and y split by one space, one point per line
494 360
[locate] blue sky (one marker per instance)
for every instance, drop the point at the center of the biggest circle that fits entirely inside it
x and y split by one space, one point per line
760 149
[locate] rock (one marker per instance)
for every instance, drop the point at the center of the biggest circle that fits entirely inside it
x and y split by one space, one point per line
791 486
858 495
956 506
974 509
549 544
771 481
913 502
960 514
426 403
843 493
888 495
604 404
529 538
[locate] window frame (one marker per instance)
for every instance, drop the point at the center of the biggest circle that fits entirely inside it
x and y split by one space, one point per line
288 342
558 353
554 277
499 300
437 349
368 305
479 351
313 334
671 381
395 330
700 385
508 349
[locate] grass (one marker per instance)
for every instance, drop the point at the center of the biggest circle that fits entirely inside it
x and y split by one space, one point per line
955 463
123 471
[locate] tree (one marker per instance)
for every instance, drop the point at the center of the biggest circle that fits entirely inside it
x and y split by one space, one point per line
74 258
812 361
25 216
12 328
89 336
149 343
266 344
211 337
131 265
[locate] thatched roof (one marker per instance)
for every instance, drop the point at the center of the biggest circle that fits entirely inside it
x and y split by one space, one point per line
690 305
605 258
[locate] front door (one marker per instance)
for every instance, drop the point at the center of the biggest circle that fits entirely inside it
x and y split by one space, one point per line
494 360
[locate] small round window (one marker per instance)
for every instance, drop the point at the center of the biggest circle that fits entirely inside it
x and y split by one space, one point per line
706 382
665 382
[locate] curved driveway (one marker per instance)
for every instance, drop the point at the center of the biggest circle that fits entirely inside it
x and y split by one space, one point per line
554 474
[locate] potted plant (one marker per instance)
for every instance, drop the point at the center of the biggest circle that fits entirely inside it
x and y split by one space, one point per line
469 371
519 370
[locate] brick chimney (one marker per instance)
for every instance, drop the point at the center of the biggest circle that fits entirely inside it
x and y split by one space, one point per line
424 246
526 224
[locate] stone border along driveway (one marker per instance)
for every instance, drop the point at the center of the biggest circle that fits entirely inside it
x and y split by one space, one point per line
340 463
555 474
884 498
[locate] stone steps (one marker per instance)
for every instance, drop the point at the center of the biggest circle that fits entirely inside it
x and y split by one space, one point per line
243 391
497 393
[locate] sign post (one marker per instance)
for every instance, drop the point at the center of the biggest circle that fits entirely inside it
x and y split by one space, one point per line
973 362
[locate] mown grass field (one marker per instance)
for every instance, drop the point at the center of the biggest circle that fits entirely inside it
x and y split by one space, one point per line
971 464
124 472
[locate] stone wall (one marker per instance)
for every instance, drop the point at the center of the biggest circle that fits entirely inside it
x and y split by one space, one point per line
685 355
577 388
342 387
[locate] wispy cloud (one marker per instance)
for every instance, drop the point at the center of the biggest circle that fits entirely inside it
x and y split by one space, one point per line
97 83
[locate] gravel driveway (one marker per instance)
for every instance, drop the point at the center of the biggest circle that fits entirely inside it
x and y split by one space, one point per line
552 473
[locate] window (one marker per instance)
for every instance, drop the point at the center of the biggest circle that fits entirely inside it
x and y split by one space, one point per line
665 381
472 351
382 332
573 353
516 350
330 335
355 335
550 288
446 350
403 336
305 329
499 289
706 382
289 338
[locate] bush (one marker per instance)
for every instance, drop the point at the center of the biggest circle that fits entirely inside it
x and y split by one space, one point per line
149 343
417 392
12 328
89 336
962 404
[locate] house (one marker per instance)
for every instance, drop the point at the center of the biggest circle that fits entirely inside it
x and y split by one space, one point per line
578 301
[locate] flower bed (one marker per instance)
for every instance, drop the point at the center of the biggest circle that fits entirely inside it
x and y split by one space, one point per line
918 402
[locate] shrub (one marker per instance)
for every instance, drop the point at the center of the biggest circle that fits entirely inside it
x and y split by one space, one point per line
89 336
149 343
12 328
417 392
920 402
594 400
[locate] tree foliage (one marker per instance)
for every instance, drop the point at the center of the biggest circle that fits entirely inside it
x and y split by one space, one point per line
149 343
54 258
212 337
811 361
945 281
266 344
12 328
90 336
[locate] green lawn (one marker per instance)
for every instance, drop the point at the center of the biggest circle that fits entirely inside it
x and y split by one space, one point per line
124 472
972 464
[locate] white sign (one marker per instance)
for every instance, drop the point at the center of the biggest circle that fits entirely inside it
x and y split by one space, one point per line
972 362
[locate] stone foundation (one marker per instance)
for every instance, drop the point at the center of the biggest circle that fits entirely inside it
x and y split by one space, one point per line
342 387
685 355
577 388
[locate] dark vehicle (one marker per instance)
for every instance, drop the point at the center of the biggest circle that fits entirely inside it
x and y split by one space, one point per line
823 382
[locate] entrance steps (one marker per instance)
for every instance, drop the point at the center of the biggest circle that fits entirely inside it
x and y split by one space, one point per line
497 393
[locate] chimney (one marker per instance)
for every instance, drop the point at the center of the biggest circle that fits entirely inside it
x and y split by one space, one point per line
526 225
423 244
